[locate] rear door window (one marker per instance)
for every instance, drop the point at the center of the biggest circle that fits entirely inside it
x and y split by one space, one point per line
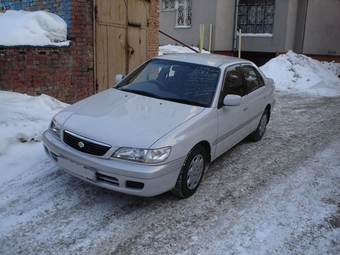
252 78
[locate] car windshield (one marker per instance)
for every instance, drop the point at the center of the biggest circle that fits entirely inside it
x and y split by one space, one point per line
175 81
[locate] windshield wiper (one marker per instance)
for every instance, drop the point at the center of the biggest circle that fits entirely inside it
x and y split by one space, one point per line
186 101
140 92
177 100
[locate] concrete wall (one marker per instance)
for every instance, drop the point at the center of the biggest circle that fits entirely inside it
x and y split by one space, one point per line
202 13
221 14
292 15
304 26
283 35
224 32
300 25
322 32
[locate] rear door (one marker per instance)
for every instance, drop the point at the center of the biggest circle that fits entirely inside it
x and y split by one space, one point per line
255 97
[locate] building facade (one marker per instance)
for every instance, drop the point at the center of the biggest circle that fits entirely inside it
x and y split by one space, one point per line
268 27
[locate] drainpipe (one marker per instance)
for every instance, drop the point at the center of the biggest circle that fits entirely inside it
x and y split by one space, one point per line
304 27
239 43
210 37
235 24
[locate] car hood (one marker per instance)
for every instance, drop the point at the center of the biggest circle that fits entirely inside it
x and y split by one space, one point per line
121 118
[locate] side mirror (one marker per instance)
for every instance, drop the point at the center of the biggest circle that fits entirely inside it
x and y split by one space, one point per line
119 77
232 100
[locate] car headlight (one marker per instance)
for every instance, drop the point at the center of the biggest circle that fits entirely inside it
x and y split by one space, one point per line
55 128
143 155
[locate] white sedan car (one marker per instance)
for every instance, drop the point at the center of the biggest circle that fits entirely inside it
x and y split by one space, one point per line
160 127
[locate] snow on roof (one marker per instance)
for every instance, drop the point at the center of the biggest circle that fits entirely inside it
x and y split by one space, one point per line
38 28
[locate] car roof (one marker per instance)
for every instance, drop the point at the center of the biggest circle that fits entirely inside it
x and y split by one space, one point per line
204 59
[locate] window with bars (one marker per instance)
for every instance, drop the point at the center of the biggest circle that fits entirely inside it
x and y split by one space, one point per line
169 5
183 10
256 16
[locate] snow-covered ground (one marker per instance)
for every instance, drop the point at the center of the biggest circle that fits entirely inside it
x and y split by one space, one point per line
278 196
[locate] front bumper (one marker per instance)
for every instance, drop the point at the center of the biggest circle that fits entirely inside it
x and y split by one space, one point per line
119 175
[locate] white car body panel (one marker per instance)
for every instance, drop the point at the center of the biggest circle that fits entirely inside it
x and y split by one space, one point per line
231 132
124 119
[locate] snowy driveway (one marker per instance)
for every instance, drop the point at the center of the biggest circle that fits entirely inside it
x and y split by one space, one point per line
278 196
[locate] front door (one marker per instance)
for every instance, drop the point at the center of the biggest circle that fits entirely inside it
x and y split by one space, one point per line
231 119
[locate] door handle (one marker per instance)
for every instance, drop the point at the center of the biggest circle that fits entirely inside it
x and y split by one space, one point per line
130 50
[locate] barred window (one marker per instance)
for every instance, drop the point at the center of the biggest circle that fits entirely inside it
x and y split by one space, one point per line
183 10
184 13
169 5
256 16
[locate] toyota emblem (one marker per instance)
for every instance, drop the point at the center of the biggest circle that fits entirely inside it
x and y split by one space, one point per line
81 144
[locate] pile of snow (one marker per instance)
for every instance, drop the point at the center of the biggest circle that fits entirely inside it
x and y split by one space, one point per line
298 72
23 119
37 28
172 49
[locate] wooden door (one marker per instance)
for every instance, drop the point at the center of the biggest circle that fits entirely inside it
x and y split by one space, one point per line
120 38
137 32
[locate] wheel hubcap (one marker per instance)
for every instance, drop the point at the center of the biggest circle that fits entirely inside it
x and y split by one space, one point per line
195 171
263 124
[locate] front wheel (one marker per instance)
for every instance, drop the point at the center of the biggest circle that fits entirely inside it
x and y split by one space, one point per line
261 128
191 173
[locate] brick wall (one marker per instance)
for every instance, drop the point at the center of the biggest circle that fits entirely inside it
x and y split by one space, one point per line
153 28
66 73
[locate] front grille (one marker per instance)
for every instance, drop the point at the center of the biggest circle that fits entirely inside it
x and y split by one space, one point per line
85 145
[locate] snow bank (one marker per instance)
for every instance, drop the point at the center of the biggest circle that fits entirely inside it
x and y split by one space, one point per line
37 28
23 119
300 73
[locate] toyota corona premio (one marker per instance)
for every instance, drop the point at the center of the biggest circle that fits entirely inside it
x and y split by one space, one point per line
160 127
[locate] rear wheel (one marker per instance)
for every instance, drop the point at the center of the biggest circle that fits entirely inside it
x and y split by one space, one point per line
191 173
261 128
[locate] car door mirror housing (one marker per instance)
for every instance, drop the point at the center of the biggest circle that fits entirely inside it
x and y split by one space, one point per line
232 100
119 77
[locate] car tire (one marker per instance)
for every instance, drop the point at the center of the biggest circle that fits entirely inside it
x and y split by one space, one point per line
191 173
261 128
